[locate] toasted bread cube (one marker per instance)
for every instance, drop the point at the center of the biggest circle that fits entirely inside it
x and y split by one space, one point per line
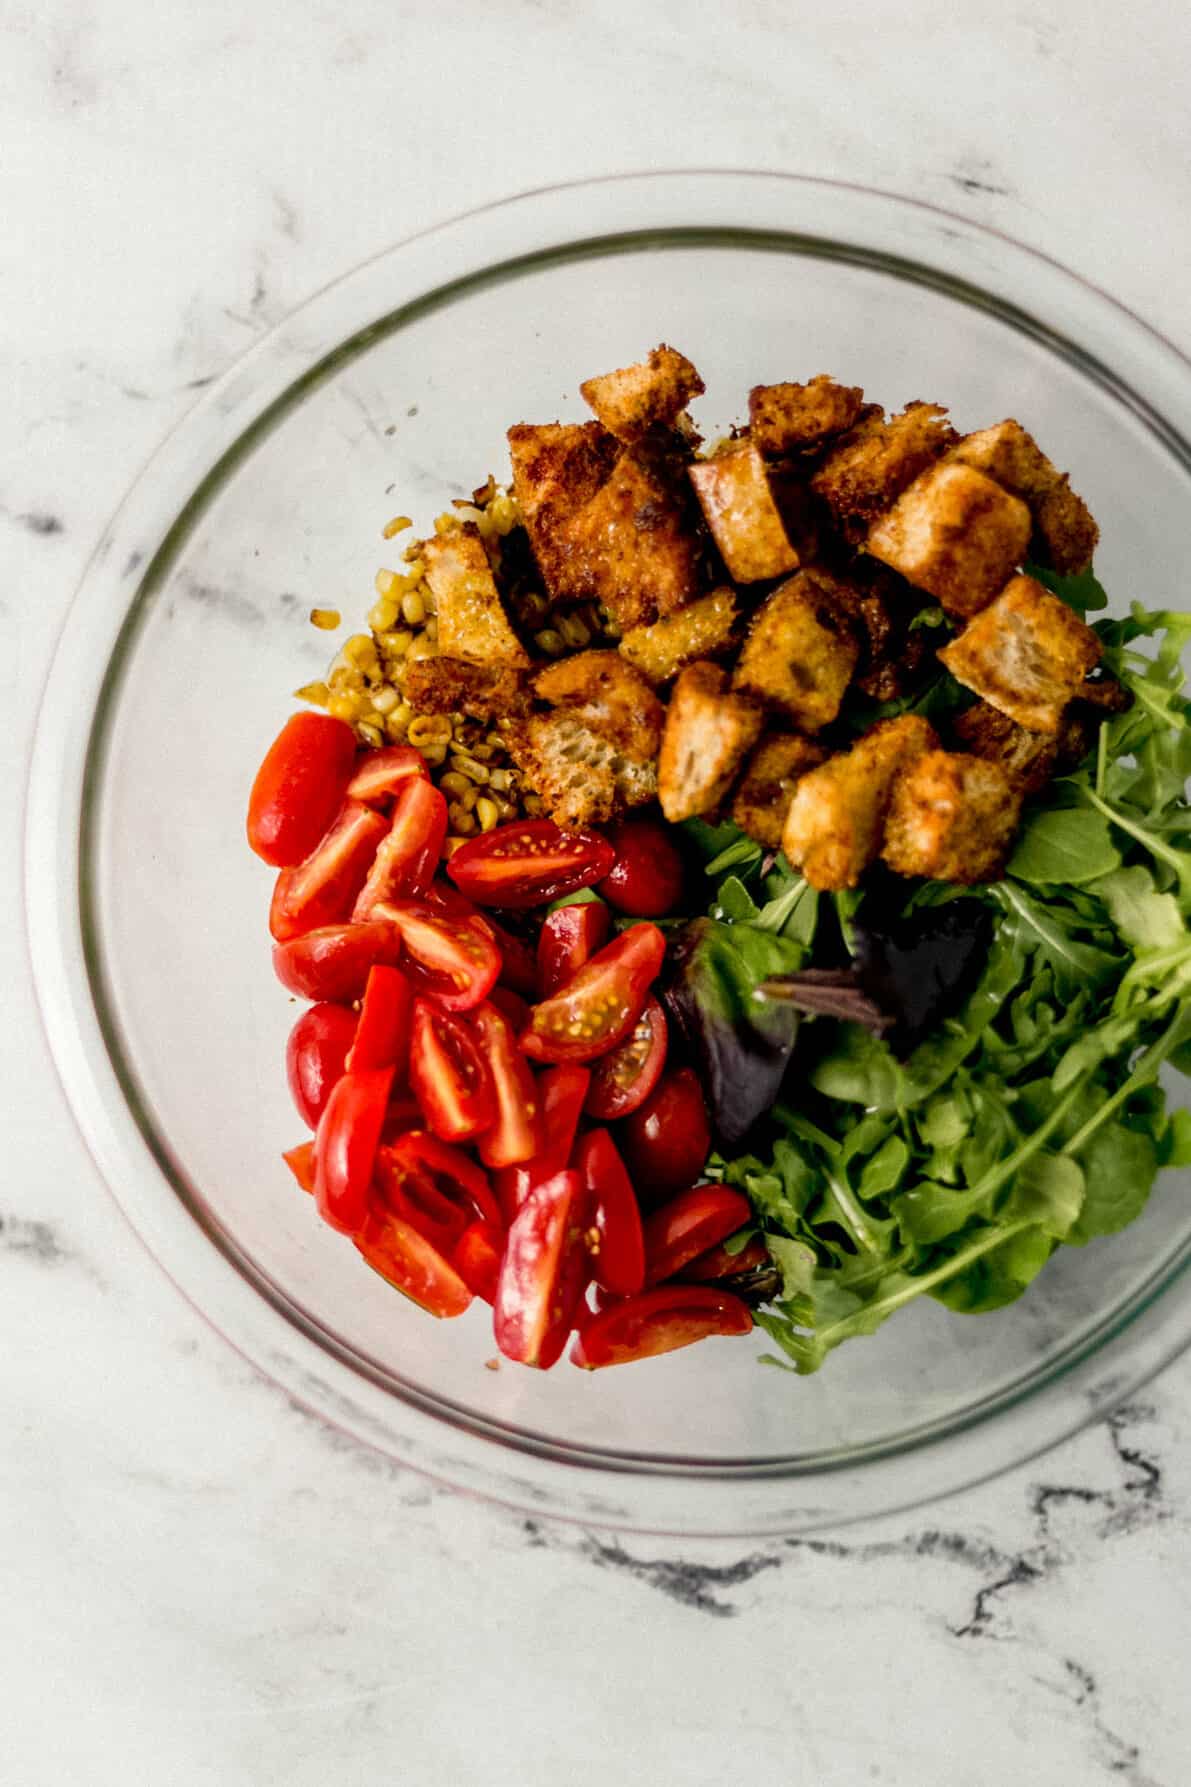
867 470
955 534
800 652
1029 759
558 467
582 776
443 685
472 622
603 692
883 608
790 418
951 817
709 732
702 629
1027 654
741 509
763 798
836 820
1065 533
646 398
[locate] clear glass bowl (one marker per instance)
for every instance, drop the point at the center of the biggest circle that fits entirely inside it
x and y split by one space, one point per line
389 392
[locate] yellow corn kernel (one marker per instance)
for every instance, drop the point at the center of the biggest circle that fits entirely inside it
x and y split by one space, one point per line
467 766
397 723
434 752
549 641
395 644
466 826
454 783
430 729
371 733
445 523
488 814
413 608
385 700
398 525
469 798
360 650
500 781
343 707
326 618
383 614
386 582
346 681
316 693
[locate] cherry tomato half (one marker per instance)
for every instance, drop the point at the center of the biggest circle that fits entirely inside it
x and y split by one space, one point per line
382 1034
618 1253
412 1264
407 858
316 1056
561 1092
514 1007
624 1078
658 1321
453 961
718 1263
518 968
323 889
449 1075
688 1225
516 1133
433 1186
646 878
666 1140
345 1147
543 1274
300 1161
379 775
333 962
570 936
299 787
599 1005
477 1258
528 862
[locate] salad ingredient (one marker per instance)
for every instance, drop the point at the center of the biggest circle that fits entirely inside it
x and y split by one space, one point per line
1026 654
404 865
300 1161
688 1225
516 1133
658 1321
453 960
518 963
748 1269
316 1056
434 1186
954 533
299 788
709 732
477 1259
570 935
623 1079
646 880
322 890
598 1007
412 1264
381 774
561 1093
382 1034
345 1146
333 962
616 1240
834 828
449 1076
543 1273
666 1139
528 863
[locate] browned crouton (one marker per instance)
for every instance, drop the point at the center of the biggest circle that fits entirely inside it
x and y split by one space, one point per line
599 689
790 418
443 685
472 622
883 609
952 817
800 652
1029 759
763 797
582 776
867 470
709 732
1027 654
702 629
642 399
558 467
955 534
836 819
742 510
1065 533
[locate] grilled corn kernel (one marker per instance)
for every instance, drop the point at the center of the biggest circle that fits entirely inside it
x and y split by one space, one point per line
488 814
422 647
467 766
360 651
430 729
454 783
397 724
533 805
435 752
386 582
466 825
343 707
445 524
371 733
575 631
500 781
413 609
395 644
385 700
550 641
383 614
316 693
326 618
346 681
398 525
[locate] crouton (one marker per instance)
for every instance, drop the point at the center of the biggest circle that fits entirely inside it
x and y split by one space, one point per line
702 629
1027 654
709 732
955 534
882 608
800 652
758 534
472 622
603 692
442 685
1065 533
1029 759
868 468
646 398
762 800
790 418
581 776
952 817
836 820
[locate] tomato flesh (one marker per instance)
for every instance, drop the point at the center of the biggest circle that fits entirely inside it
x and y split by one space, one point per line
453 961
381 774
647 877
404 865
658 1321
382 1034
518 968
688 1225
623 1079
617 1247
515 1134
412 1264
561 1092
448 1073
543 1274
599 1005
717 1262
316 1057
300 1161
528 862
666 1140
345 1147
299 787
570 936
477 1258
333 962
436 1188
323 889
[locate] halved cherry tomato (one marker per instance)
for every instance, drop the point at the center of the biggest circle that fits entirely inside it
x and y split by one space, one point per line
316 1056
333 962
323 889
381 774
404 1113
435 1187
382 1034
345 1146
598 1007
658 1321
518 968
688 1225
646 878
412 1264
543 1274
299 787
514 1007
406 860
528 862
477 1258
449 1075
517 1132
454 961
624 1078
618 1253
570 936
300 1161
666 1140
717 1262
561 1092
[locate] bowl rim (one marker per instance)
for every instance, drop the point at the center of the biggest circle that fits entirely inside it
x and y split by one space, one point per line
66 772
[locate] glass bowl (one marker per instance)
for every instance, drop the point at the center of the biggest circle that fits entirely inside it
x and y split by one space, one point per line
391 391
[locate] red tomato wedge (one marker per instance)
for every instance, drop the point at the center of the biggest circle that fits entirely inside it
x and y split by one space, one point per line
518 967
658 1321
569 937
514 1007
647 876
379 775
406 860
299 787
688 1225
516 1134
450 1078
624 1078
333 962
323 889
543 1274
666 1140
433 1186
316 1057
598 1007
382 1034
561 1092
412 1264
477 1258
618 1247
717 1262
453 960
300 1161
345 1147
528 862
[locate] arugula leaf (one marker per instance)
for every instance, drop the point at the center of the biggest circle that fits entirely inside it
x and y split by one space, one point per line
1119 1169
1064 844
1083 592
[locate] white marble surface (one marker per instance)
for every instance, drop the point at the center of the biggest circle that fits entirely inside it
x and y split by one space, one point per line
197 1584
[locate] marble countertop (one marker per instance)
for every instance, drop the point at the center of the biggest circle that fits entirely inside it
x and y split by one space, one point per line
198 1583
